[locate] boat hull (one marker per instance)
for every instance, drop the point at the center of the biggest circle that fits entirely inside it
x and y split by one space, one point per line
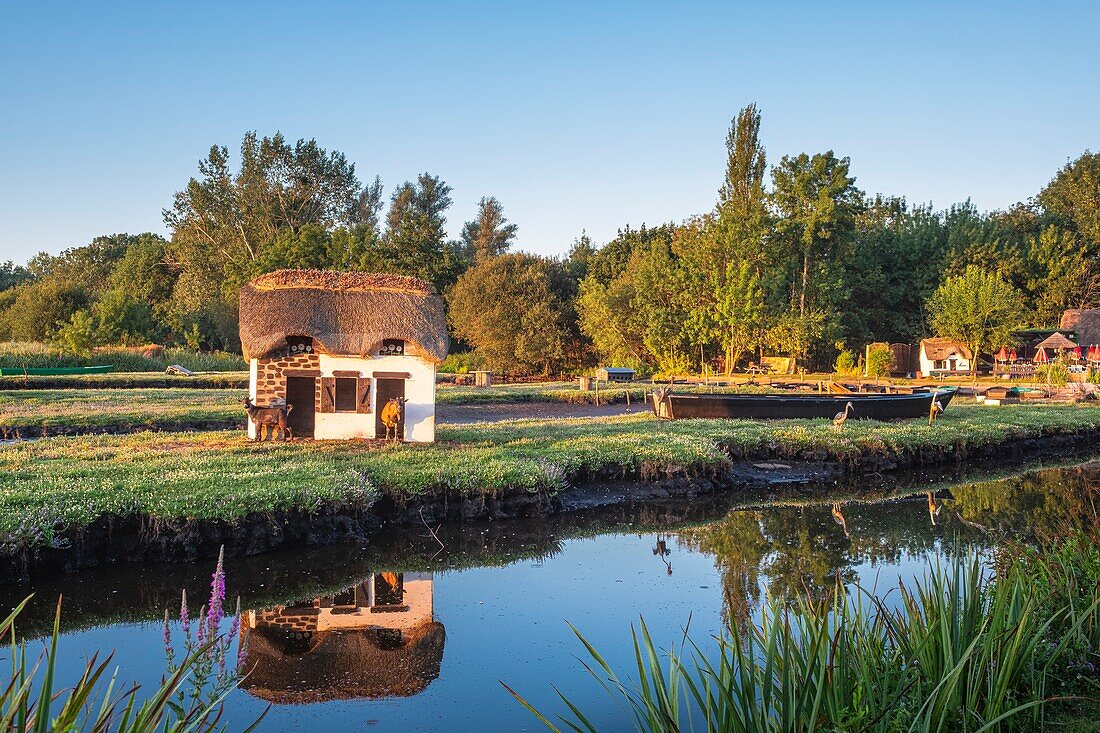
788 407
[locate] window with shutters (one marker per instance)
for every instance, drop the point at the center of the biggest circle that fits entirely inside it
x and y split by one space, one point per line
345 394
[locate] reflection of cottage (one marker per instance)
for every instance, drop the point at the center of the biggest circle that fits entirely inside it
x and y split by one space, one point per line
337 346
376 639
943 356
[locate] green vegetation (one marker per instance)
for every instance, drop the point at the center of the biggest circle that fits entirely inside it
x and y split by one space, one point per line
95 703
962 651
978 309
17 355
48 485
23 411
792 259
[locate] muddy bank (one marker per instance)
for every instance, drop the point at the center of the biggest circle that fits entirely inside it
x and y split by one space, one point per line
768 472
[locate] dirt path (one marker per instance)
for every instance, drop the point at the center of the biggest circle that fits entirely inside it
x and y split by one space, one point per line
467 414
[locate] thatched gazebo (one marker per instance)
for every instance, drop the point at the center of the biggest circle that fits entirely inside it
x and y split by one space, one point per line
337 346
1055 342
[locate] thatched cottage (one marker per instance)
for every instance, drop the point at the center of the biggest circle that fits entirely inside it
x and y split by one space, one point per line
337 346
376 639
1084 323
944 356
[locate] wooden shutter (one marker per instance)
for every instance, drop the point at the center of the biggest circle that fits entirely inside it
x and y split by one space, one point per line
362 395
328 394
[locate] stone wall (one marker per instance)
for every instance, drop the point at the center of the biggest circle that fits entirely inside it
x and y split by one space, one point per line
271 375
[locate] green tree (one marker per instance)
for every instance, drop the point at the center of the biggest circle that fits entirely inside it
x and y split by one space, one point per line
120 318
12 274
78 335
415 240
740 312
231 216
879 361
818 202
977 308
41 307
510 310
490 235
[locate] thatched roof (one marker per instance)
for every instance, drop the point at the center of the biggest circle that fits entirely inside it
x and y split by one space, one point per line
341 665
345 313
938 349
1086 322
1055 341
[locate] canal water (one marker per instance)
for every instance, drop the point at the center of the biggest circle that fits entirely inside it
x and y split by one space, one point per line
420 630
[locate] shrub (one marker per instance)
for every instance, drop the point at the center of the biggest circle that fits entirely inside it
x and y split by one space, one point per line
1055 374
846 363
879 360
460 363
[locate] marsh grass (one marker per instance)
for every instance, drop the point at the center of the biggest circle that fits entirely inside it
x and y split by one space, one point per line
960 651
229 380
27 355
49 485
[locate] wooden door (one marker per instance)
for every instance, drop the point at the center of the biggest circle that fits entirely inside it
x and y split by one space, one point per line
301 393
384 391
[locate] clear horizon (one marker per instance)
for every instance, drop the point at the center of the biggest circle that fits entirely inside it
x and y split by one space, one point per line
576 118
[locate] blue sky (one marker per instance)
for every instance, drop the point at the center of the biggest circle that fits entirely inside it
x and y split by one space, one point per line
577 116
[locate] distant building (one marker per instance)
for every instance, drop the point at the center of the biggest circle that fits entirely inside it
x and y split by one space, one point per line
943 356
337 346
615 374
1084 323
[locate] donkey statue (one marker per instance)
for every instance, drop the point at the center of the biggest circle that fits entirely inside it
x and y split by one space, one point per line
393 415
272 418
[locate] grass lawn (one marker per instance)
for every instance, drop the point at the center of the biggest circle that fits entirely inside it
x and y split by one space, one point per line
48 484
24 410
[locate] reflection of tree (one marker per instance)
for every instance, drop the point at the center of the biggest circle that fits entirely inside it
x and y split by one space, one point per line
807 550
1044 503
738 545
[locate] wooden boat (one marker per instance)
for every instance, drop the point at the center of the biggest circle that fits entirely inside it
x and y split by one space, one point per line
669 406
54 371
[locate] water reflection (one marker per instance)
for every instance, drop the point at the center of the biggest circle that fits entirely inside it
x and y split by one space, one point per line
367 643
377 638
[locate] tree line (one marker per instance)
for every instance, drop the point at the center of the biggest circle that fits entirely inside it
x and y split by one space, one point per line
792 259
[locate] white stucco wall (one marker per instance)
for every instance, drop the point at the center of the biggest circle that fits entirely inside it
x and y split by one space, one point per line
253 367
419 390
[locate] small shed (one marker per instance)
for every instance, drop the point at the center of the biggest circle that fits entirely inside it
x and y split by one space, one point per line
615 374
944 356
335 347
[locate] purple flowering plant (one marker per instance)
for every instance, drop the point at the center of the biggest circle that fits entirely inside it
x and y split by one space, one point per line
211 677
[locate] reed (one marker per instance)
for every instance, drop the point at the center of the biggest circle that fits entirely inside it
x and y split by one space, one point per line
33 702
961 651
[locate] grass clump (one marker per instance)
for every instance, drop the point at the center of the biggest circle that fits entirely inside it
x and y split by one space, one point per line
960 650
